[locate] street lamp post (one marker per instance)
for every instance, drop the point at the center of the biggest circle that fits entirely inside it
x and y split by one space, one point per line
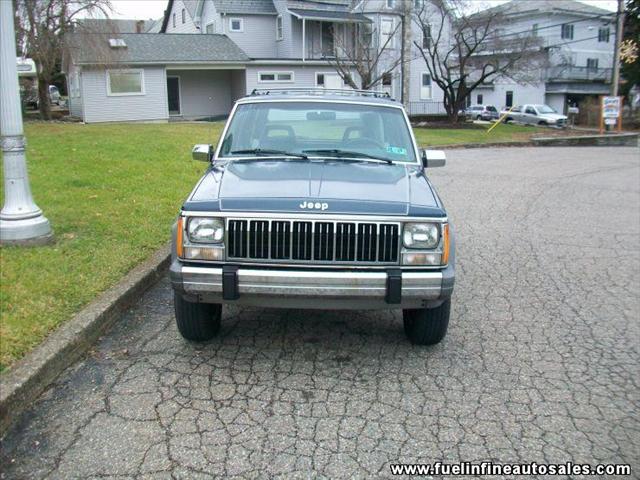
21 221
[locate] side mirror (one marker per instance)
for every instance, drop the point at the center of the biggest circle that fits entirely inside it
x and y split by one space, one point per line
433 158
202 152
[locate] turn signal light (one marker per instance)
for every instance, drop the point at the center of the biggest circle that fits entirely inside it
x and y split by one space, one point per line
179 234
445 244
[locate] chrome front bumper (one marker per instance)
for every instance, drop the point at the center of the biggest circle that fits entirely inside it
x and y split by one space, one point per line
321 289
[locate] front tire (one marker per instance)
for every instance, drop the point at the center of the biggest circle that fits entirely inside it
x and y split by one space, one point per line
197 321
427 326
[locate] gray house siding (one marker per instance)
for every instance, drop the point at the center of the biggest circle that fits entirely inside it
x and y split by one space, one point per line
100 107
258 38
187 27
285 47
74 89
304 76
204 93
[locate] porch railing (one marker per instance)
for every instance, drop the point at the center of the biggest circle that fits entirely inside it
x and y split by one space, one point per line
570 72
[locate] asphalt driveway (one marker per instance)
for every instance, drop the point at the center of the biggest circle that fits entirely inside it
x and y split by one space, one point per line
541 364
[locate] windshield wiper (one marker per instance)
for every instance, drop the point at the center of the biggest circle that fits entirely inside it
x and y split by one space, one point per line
266 151
348 153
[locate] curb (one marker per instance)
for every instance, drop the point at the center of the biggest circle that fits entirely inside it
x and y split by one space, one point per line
26 380
480 145
608 140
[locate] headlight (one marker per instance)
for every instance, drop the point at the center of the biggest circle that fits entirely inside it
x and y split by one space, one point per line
206 230
421 235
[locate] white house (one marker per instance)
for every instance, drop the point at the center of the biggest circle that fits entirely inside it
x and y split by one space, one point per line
579 41
210 52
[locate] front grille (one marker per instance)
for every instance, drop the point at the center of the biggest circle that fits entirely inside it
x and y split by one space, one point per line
309 241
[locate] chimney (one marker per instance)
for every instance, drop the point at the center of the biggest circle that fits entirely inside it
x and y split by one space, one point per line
140 26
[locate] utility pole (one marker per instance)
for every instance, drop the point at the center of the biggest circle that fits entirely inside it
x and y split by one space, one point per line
405 52
21 221
616 54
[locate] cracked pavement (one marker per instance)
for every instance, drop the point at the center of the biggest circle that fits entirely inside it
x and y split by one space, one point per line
541 362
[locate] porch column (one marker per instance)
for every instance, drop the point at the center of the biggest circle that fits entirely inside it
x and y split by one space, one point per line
304 42
21 221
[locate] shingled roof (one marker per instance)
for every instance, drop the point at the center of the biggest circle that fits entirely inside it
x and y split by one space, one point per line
515 7
154 48
247 7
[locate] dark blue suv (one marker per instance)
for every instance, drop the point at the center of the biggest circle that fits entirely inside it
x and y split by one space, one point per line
315 199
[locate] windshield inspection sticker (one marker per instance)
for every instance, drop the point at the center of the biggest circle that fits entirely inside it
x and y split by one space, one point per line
396 150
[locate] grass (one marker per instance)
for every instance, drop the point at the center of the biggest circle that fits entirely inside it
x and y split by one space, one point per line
475 134
111 193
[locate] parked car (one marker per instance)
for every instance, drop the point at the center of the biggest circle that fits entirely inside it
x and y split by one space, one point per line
535 115
481 112
315 199
32 100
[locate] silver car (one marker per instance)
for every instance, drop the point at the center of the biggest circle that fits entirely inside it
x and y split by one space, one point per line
531 114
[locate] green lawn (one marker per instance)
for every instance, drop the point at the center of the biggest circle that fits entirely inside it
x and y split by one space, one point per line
111 193
475 134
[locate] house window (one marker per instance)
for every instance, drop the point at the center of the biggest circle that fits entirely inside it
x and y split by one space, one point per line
387 83
271 77
567 31
426 37
592 63
509 99
236 25
479 99
173 20
534 29
279 33
365 32
425 87
184 17
603 34
210 28
125 82
320 79
391 3
386 33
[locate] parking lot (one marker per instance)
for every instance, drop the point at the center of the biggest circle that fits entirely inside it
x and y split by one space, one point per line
541 363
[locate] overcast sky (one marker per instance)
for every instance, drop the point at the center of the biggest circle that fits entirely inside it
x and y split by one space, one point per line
143 9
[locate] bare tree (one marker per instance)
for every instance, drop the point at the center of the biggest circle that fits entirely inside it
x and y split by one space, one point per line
463 51
41 29
364 54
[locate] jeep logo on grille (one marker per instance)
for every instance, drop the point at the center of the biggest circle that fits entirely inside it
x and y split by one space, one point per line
314 206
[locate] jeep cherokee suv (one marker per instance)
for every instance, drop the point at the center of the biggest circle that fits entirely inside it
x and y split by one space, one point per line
314 199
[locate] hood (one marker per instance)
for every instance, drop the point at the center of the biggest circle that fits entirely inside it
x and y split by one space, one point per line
324 187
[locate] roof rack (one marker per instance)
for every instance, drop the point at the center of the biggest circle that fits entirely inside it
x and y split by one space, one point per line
321 91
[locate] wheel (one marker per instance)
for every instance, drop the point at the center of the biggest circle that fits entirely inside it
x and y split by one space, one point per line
508 120
479 117
427 326
197 321
542 123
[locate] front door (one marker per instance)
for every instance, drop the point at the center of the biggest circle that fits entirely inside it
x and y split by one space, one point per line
173 95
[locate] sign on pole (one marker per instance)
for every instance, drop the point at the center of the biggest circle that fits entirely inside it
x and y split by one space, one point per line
611 112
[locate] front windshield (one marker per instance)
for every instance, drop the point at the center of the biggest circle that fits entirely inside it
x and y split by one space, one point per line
544 109
318 129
